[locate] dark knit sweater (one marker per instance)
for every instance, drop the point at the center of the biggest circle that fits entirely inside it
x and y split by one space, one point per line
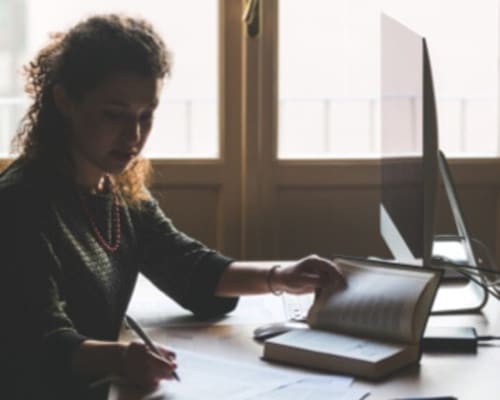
59 286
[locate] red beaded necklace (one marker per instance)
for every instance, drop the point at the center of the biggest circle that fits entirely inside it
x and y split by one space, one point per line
111 247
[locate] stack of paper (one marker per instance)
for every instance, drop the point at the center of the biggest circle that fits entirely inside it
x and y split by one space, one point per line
208 377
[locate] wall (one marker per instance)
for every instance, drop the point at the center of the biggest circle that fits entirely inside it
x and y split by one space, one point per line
338 214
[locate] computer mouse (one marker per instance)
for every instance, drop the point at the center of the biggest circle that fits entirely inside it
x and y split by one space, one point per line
276 328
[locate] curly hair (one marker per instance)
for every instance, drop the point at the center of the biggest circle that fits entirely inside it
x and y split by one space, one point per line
79 60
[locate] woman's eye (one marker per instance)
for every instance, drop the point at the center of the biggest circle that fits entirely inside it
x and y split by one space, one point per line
112 114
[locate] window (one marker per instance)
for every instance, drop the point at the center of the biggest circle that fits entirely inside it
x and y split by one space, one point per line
328 71
186 123
329 74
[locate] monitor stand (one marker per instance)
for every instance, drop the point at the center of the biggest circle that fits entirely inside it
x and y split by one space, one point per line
456 297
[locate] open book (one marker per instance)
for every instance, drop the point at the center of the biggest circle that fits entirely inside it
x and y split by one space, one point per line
370 328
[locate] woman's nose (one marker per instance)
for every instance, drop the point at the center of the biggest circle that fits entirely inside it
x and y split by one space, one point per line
132 130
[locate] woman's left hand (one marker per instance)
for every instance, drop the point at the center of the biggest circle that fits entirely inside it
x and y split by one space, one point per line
306 275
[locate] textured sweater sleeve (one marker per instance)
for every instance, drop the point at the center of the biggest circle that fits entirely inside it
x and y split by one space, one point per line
183 268
41 336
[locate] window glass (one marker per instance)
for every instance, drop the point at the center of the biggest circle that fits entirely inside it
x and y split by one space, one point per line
186 122
329 67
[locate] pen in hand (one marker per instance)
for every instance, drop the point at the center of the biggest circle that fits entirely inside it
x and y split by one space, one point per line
149 343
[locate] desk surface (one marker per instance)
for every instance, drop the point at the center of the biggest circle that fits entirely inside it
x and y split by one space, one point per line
466 376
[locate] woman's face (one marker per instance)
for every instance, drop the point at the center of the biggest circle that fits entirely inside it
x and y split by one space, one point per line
110 125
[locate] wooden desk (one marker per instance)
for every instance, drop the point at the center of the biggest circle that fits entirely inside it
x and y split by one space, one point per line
466 376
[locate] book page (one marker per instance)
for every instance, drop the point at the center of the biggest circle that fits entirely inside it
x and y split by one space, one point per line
378 302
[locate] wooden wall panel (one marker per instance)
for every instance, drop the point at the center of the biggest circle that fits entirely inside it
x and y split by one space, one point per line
193 210
308 216
327 221
324 220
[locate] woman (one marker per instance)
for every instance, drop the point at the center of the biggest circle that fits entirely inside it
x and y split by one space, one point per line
78 223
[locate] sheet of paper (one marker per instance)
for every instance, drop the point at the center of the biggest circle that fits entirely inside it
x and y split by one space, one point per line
305 390
208 377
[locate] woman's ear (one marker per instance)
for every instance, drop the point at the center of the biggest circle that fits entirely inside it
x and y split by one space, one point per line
61 99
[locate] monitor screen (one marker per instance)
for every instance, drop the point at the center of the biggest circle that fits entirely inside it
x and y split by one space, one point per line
408 144
411 165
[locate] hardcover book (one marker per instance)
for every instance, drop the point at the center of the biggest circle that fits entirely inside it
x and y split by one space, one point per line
370 328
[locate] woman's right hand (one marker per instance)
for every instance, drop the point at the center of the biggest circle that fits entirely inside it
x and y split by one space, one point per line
143 367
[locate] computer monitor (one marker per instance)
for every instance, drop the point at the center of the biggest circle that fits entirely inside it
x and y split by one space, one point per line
409 144
411 164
